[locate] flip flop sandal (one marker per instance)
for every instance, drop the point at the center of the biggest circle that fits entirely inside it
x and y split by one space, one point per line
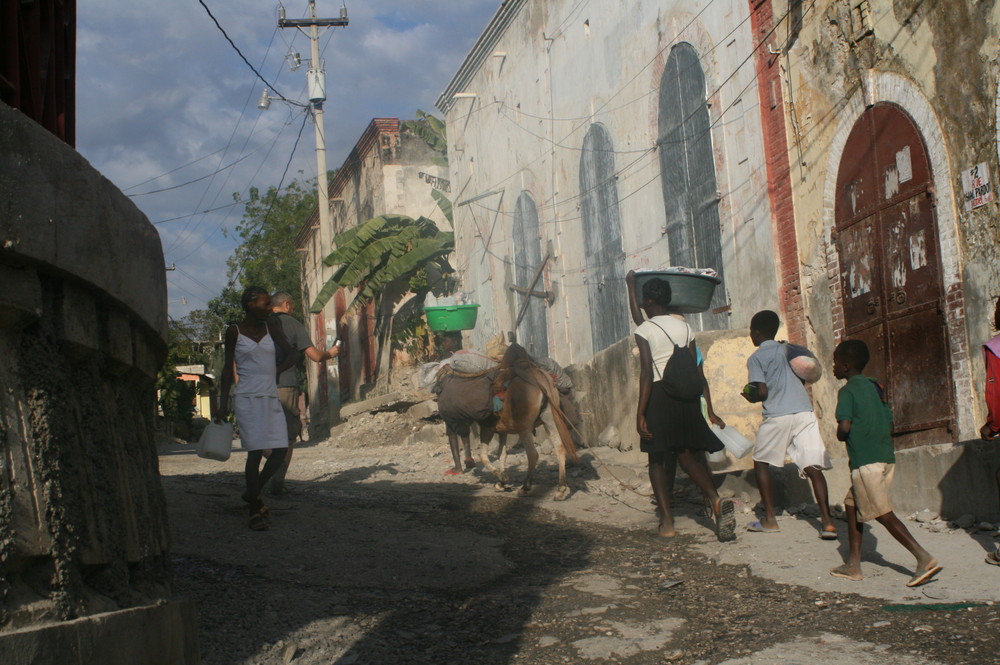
725 521
452 472
261 508
828 535
757 527
924 577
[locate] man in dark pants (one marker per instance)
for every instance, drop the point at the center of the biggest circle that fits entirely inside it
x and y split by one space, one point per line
282 306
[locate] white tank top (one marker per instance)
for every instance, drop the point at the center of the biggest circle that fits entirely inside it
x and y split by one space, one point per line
255 366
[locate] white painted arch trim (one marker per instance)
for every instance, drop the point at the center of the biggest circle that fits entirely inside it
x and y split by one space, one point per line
888 87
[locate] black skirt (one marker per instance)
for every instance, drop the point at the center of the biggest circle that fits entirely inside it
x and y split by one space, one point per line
676 425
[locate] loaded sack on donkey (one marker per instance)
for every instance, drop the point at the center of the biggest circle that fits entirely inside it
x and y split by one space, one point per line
514 400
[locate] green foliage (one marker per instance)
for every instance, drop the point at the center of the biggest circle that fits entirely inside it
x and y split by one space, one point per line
266 256
226 306
444 203
176 396
432 131
385 250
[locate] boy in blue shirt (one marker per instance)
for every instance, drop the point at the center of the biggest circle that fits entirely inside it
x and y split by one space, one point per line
789 426
864 421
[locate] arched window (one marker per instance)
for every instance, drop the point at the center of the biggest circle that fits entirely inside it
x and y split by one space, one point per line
687 166
602 229
532 333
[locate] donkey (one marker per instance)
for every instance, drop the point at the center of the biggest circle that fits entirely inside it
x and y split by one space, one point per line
531 398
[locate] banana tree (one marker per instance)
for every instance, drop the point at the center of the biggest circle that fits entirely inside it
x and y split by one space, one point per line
382 261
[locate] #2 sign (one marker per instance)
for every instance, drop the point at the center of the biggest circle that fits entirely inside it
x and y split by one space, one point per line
976 186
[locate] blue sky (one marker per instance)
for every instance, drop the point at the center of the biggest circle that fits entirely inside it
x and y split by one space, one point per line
163 100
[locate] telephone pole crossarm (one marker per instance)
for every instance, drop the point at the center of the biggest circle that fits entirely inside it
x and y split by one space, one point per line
308 22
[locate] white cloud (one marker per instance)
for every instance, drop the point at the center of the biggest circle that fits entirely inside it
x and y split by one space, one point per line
158 86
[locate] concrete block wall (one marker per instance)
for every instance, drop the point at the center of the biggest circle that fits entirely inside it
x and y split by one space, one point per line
83 526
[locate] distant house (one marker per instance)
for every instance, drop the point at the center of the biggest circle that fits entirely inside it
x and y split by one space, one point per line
388 171
204 388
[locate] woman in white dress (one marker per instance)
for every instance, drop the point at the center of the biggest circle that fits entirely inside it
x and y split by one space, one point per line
251 347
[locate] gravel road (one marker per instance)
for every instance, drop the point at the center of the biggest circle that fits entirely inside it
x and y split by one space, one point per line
375 557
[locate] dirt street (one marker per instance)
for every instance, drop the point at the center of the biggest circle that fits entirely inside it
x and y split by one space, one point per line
375 557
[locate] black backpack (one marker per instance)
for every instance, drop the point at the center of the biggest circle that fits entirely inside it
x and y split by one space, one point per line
681 379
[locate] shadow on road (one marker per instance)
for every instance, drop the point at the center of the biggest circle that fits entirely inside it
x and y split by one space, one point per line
366 573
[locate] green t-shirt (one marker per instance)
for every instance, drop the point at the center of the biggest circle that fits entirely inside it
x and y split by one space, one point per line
870 440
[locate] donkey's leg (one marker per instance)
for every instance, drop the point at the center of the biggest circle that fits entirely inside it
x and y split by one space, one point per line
503 477
562 490
527 439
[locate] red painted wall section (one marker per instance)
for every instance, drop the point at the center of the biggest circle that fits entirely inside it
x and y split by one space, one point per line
779 184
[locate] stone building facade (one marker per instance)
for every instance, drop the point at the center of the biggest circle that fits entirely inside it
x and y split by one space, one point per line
587 141
85 572
843 138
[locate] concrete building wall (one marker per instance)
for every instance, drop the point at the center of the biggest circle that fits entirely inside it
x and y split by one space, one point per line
938 63
518 111
83 526
540 77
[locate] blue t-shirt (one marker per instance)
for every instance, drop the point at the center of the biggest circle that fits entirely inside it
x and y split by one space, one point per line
786 394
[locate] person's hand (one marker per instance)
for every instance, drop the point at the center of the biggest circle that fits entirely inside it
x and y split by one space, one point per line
717 421
221 415
642 428
630 277
986 433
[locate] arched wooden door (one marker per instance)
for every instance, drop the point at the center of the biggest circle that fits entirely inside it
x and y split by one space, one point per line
890 271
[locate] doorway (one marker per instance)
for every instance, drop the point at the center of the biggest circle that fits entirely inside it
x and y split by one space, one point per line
892 294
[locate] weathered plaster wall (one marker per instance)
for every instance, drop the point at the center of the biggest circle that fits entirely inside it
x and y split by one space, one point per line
82 325
554 72
939 63
381 175
607 390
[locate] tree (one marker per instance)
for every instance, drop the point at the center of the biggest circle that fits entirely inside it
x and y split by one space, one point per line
385 259
266 256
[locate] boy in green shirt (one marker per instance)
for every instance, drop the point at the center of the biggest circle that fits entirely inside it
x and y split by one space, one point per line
864 421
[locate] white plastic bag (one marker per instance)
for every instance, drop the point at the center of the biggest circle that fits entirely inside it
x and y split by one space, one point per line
216 441
736 444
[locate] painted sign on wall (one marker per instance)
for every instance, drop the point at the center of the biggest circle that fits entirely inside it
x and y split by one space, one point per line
976 186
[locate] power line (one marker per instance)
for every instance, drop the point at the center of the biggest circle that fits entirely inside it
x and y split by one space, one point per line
191 182
183 166
240 53
305 117
200 212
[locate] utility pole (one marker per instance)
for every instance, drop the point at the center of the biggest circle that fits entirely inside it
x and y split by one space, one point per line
317 95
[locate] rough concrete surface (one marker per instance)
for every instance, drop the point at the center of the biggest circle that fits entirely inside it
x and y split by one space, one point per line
375 556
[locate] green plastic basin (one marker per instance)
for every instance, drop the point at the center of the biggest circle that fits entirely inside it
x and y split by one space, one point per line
451 317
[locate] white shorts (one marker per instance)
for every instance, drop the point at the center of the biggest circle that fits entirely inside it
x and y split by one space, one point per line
795 435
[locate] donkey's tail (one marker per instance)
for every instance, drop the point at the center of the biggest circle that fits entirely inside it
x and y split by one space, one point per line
548 388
